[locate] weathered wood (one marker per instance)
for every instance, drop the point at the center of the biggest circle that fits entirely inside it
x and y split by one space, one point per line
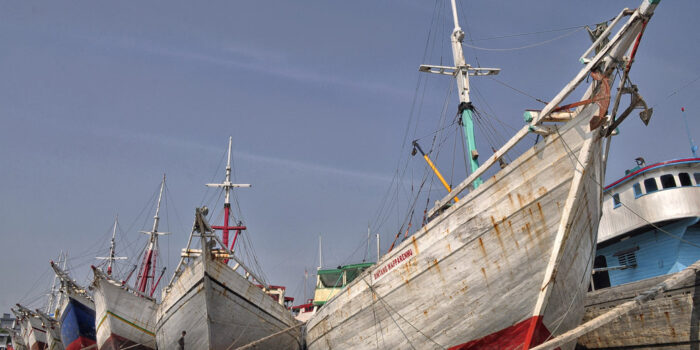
668 284
478 267
669 320
218 307
122 317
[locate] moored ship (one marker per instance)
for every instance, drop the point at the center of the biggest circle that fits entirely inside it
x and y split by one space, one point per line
649 230
126 316
211 305
32 331
506 265
76 313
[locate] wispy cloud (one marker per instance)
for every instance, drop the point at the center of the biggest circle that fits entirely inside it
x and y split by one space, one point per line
310 167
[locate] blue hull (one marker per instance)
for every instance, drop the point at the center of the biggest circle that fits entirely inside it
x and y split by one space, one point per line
77 325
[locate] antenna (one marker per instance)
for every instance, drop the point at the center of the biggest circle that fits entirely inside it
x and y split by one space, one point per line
693 147
368 241
377 248
320 251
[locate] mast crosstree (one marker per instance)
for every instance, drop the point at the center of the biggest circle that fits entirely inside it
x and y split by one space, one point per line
112 246
227 185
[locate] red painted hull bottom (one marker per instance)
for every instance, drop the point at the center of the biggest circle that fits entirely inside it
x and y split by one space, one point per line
511 338
39 346
80 343
116 342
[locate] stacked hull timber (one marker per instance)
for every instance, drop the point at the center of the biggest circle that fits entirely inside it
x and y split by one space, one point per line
124 318
669 321
33 333
77 322
17 341
220 309
53 337
53 331
472 277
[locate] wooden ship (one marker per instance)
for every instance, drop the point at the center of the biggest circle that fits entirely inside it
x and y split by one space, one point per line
506 265
211 305
126 315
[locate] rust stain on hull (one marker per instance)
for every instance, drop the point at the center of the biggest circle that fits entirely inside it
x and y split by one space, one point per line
482 247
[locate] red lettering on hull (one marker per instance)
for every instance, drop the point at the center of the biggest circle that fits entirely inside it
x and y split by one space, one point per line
379 272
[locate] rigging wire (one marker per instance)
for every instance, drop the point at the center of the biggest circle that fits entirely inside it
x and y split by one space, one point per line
415 111
677 91
388 307
538 32
526 46
518 90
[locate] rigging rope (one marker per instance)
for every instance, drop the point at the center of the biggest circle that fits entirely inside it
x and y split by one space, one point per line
526 46
519 91
677 90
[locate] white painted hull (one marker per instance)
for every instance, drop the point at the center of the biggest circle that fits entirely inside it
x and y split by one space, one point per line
123 318
479 267
53 337
33 333
219 309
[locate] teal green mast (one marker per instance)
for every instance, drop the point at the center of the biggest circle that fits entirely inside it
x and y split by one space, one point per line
461 71
467 111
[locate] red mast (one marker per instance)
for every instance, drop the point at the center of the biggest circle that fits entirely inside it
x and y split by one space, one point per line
147 272
227 186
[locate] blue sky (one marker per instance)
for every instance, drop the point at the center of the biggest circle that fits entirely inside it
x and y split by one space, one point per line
98 99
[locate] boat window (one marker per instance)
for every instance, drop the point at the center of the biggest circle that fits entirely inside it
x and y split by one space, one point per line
668 181
697 178
616 200
352 273
637 190
331 279
627 259
684 179
650 185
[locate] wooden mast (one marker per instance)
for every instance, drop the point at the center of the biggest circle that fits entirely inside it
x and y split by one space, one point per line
150 258
461 72
227 186
112 247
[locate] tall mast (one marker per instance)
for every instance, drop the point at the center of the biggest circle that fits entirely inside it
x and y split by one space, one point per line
227 186
150 257
461 72
52 294
112 245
